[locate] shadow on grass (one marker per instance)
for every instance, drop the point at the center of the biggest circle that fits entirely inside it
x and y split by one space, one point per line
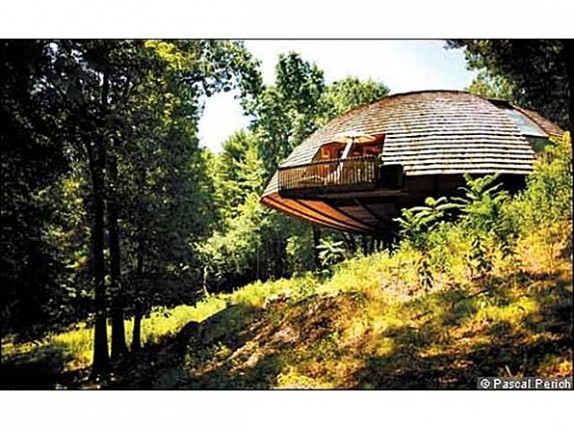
260 376
40 369
498 348
447 347
443 344
456 370
198 357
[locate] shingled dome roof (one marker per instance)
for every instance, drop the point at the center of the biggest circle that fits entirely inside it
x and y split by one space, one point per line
432 133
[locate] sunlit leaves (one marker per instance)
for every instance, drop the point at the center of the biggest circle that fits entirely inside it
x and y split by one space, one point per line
415 223
482 201
145 119
330 253
492 86
176 59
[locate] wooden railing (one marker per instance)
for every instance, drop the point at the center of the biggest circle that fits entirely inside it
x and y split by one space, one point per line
335 175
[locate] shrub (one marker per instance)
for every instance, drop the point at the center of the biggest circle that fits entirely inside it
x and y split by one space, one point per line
416 226
547 198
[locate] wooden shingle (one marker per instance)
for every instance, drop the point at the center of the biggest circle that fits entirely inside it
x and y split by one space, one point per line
432 133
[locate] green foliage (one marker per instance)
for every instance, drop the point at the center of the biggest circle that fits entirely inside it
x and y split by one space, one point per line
300 251
330 253
416 223
230 256
33 158
481 203
544 209
347 332
237 173
285 113
492 86
548 196
480 217
250 242
448 246
75 111
346 94
491 224
411 317
536 71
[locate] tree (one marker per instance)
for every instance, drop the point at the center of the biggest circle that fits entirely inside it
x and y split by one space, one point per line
108 119
83 69
492 86
168 199
541 72
251 242
231 255
346 94
32 158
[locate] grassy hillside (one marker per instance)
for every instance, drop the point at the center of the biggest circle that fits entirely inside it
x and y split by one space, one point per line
365 327
353 332
487 295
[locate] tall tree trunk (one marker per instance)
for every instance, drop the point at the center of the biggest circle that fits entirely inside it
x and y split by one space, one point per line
138 299
316 243
138 307
281 257
119 347
97 160
101 361
204 281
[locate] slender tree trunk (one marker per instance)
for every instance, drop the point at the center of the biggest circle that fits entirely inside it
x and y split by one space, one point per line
139 304
101 362
138 308
316 243
204 281
137 331
119 347
281 256
97 160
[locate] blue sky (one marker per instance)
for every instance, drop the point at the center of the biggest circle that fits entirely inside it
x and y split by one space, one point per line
403 65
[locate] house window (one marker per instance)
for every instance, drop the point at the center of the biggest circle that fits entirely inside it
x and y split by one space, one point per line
526 126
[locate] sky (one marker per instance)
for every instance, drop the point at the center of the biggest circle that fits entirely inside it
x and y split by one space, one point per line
402 65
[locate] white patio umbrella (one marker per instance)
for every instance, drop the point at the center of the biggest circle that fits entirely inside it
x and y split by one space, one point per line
351 137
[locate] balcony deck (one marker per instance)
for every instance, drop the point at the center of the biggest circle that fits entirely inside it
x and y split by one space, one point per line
336 178
431 139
